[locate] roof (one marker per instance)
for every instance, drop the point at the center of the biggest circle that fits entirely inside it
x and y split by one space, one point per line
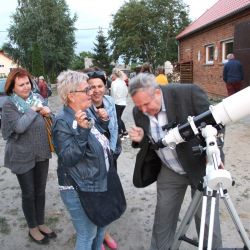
5 55
220 10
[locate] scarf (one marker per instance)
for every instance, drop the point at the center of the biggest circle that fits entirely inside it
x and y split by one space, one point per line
23 105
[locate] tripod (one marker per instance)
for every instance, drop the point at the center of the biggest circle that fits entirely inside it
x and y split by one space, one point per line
215 184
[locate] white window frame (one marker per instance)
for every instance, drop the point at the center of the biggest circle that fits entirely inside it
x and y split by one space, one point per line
224 55
208 61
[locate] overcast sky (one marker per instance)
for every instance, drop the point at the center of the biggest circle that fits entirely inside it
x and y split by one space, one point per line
91 14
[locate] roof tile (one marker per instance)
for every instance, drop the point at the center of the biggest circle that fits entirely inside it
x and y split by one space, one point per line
220 9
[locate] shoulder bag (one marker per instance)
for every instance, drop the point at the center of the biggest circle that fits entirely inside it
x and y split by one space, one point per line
48 124
102 208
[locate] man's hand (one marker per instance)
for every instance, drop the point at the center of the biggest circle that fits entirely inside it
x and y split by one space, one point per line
136 133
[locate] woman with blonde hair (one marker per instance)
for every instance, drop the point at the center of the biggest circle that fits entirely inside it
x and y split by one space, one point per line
84 159
119 91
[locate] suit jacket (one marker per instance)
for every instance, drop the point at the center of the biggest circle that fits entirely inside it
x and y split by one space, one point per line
181 101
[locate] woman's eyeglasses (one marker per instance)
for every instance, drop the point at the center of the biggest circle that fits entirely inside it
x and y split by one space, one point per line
86 90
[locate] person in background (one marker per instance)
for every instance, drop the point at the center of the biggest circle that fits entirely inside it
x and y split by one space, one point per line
146 68
35 89
27 150
119 91
97 81
77 143
156 106
43 87
125 78
233 75
161 78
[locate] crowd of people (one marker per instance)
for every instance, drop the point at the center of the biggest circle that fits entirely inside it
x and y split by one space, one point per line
87 135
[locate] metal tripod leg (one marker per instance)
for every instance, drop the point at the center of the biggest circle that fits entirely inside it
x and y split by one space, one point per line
187 219
203 221
236 219
211 221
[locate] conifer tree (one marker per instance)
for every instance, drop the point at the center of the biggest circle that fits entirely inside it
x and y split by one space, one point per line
101 57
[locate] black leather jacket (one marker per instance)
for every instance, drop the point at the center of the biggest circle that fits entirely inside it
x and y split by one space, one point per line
79 153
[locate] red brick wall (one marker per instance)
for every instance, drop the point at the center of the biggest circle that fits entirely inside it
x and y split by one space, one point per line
209 77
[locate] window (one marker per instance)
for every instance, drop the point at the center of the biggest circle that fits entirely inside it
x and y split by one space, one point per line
210 54
227 48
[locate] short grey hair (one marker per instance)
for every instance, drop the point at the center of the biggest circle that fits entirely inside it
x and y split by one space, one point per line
68 81
230 56
142 82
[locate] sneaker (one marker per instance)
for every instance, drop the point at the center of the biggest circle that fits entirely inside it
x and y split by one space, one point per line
125 134
121 137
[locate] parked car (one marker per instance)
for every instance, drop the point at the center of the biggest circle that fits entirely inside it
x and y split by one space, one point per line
3 96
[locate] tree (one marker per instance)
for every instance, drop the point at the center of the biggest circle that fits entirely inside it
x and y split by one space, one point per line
145 31
46 26
37 61
78 62
101 57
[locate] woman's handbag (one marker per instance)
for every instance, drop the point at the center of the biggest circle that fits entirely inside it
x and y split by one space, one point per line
48 124
102 208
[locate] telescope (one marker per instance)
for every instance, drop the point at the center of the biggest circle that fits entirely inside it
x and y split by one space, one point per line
217 179
230 109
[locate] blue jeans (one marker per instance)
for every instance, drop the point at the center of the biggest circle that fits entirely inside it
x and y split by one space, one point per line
88 235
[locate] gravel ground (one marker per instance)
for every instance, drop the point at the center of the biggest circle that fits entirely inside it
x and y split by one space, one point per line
133 229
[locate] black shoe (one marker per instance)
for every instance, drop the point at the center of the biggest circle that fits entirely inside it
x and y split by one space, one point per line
43 241
51 235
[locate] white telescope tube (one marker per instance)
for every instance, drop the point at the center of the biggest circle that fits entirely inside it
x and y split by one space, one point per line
232 108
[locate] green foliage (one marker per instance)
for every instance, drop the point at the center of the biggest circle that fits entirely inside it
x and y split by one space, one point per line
78 62
37 61
101 57
45 26
145 31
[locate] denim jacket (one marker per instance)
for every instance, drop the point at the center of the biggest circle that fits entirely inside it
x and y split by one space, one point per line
79 153
109 106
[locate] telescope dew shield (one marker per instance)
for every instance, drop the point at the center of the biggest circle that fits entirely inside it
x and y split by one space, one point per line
232 108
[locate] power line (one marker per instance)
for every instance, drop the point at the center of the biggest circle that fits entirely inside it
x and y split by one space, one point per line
76 29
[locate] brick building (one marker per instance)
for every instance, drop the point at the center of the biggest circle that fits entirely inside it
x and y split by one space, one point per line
205 43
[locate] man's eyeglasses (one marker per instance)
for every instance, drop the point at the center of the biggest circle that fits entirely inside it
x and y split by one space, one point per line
86 90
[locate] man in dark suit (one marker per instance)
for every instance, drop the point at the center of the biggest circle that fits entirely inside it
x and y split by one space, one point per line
156 106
